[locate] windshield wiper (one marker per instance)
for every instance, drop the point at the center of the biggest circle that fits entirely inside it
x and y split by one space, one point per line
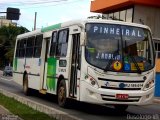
133 59
136 64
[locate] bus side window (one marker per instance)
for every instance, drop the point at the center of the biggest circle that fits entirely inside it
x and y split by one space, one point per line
53 44
61 50
21 48
29 47
38 46
156 47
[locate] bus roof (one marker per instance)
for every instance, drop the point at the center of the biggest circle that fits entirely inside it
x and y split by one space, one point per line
38 31
80 23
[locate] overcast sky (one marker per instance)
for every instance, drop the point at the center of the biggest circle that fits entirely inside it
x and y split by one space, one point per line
48 11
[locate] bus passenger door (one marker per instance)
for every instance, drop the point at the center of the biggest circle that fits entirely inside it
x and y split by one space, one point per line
75 65
44 67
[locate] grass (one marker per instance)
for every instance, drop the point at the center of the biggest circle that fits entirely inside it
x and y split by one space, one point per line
22 110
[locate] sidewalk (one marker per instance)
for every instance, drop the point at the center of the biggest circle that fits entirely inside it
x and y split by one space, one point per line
7 115
156 100
3 110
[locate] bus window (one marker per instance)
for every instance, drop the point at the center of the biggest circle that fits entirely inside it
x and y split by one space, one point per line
62 43
53 44
29 47
158 54
155 46
20 52
158 48
38 46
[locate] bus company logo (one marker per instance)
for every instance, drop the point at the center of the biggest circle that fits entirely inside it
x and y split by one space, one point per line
107 84
110 84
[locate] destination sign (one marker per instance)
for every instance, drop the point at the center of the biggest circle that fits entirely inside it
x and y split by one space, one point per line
116 30
108 56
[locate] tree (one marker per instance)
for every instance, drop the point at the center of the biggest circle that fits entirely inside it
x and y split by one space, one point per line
95 17
8 36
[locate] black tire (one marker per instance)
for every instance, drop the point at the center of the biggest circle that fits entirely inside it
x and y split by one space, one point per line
121 108
26 90
62 94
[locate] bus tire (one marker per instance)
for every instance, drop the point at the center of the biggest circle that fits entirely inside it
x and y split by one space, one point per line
62 94
121 108
25 86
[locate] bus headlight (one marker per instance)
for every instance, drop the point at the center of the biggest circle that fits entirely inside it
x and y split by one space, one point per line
149 84
91 81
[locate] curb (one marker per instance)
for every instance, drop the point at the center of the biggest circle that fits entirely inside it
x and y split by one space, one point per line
57 114
156 100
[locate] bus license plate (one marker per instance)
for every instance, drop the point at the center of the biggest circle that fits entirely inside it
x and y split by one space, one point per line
122 96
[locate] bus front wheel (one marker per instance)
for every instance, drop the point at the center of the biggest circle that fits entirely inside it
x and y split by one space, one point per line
25 85
62 94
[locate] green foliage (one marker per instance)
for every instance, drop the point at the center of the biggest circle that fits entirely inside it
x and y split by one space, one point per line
8 36
23 111
95 17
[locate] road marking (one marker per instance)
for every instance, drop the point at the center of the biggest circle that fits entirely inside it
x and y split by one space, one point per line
6 79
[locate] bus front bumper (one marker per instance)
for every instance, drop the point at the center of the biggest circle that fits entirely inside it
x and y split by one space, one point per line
108 96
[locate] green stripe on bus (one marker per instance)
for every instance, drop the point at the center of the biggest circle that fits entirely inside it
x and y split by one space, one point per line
51 71
52 27
15 64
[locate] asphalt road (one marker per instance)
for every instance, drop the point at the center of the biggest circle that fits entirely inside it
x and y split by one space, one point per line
86 111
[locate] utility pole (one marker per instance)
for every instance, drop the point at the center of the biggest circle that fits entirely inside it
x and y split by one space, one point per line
35 19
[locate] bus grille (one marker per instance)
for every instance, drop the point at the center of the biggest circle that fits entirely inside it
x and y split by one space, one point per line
113 98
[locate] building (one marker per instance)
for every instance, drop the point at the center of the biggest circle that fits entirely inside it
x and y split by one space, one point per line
145 12
5 22
139 11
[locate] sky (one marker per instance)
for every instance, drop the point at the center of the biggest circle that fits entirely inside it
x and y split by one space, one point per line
49 12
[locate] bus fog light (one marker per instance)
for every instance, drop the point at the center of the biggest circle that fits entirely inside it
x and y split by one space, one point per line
149 84
91 93
93 82
147 96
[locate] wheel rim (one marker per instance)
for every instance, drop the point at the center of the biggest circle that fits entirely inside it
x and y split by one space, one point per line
61 95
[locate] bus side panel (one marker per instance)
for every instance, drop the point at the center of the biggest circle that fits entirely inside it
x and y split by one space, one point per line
18 69
51 75
34 82
33 69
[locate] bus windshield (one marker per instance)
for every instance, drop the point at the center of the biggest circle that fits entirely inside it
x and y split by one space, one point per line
113 47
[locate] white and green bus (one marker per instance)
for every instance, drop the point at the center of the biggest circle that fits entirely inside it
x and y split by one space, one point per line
94 61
